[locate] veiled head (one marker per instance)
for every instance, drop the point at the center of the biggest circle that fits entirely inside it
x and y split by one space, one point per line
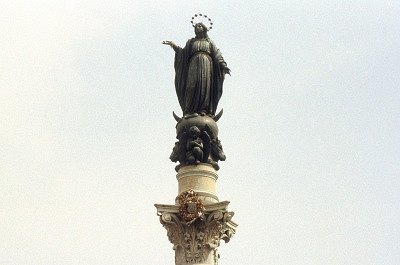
200 28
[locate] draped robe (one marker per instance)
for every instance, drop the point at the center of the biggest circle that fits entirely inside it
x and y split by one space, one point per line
199 76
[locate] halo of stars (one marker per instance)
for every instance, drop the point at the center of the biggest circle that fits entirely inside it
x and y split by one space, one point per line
200 16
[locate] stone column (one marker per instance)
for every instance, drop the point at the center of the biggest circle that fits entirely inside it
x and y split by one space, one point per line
201 178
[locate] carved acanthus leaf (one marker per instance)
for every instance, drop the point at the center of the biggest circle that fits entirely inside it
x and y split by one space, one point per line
201 238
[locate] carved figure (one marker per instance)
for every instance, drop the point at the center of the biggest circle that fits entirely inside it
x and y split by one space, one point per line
199 72
217 153
194 146
197 146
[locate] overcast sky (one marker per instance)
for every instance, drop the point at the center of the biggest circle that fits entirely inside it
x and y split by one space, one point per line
310 128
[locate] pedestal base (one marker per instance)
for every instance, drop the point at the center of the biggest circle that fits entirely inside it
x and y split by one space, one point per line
201 178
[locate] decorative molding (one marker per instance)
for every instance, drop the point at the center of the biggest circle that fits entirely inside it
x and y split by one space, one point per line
202 169
196 241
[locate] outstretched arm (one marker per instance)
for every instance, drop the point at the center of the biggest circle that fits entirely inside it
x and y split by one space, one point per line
171 44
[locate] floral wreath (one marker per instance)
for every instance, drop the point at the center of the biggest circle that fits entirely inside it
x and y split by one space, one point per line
188 200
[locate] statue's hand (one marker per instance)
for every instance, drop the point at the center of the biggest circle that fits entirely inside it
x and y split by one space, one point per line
171 44
227 70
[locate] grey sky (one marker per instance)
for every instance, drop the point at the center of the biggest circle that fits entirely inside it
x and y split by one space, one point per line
310 129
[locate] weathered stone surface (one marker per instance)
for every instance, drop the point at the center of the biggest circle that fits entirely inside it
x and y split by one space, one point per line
197 242
201 178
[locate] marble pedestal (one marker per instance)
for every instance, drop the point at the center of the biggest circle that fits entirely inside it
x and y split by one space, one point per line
201 178
195 240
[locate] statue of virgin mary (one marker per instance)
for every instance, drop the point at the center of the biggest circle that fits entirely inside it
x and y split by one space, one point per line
199 73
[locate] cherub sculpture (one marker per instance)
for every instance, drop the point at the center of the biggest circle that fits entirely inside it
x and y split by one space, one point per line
193 147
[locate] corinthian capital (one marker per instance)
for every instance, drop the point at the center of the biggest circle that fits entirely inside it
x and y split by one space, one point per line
196 241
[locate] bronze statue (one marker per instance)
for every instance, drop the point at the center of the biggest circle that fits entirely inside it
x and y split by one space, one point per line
199 72
199 76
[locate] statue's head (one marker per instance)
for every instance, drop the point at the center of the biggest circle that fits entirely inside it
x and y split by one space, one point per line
194 131
200 28
201 23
